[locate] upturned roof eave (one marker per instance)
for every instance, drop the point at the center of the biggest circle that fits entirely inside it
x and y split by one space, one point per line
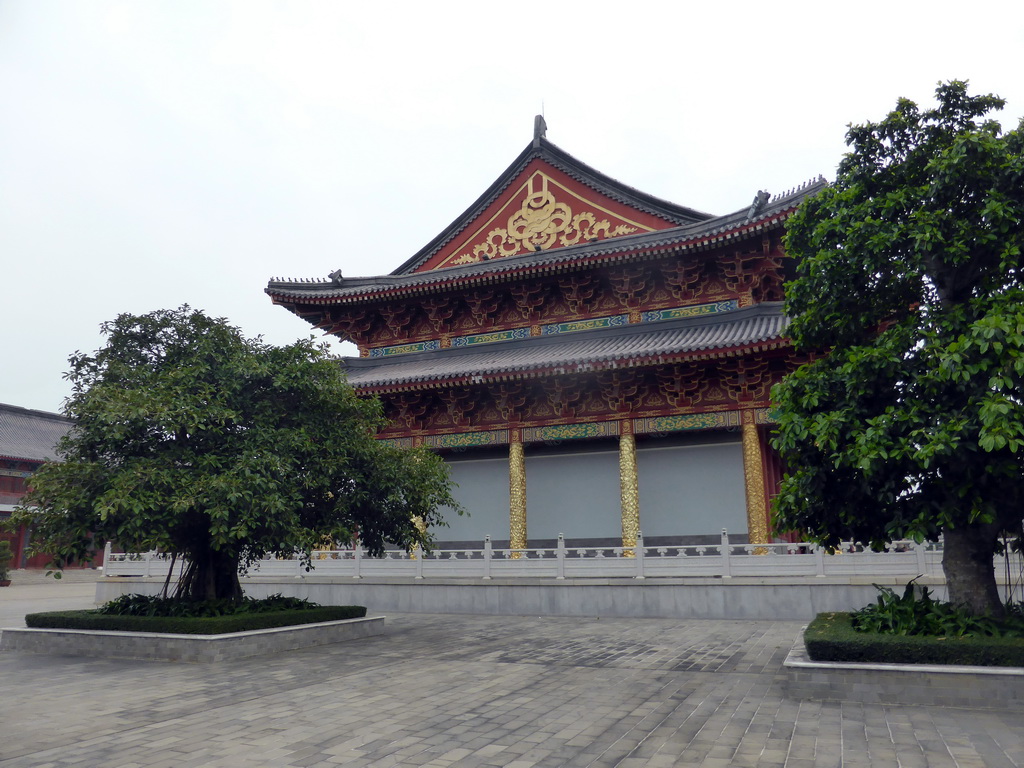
683 239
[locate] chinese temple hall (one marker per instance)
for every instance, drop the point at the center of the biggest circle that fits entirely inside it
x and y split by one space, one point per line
589 359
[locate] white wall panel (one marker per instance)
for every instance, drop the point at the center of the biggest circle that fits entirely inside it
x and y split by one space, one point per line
573 492
692 489
483 491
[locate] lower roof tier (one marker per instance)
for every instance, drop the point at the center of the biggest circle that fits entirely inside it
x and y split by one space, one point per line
761 326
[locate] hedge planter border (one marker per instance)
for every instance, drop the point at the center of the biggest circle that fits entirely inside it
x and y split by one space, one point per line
246 621
831 637
951 685
155 646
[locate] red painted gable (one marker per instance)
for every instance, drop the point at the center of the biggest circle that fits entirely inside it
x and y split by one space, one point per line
542 208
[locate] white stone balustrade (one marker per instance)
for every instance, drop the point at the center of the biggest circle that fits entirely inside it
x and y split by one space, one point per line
902 559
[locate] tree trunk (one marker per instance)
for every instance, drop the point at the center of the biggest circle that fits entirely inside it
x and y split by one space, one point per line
967 561
210 575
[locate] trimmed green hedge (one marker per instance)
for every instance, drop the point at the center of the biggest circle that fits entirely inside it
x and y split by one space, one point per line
214 625
831 637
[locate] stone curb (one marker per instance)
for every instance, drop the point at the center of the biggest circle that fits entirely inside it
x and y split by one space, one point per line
155 646
916 684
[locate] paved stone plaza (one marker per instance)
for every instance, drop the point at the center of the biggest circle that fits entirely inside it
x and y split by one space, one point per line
476 691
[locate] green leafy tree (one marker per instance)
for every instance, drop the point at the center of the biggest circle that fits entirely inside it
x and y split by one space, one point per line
191 439
910 276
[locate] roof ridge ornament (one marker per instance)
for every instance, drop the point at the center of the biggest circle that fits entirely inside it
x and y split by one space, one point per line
540 129
760 199
336 277
819 179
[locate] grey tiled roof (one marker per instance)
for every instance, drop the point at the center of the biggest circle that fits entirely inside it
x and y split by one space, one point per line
578 351
30 435
697 236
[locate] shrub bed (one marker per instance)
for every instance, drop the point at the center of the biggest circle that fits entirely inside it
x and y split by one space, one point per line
831 637
143 613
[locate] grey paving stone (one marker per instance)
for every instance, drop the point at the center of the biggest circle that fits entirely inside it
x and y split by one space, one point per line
481 691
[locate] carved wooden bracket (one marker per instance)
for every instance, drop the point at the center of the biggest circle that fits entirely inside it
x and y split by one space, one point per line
746 379
682 384
459 403
630 283
618 389
563 393
439 311
528 298
483 305
739 270
577 291
684 277
510 400
770 278
397 317
410 408
354 326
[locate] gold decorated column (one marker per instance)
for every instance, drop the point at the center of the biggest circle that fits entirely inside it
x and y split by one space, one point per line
421 526
753 472
629 491
517 496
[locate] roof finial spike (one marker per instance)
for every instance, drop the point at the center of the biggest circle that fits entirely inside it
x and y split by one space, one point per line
540 129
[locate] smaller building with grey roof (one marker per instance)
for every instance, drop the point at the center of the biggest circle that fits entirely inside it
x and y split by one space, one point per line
28 439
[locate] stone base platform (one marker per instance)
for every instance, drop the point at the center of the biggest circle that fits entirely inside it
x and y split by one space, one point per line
999 688
744 598
156 646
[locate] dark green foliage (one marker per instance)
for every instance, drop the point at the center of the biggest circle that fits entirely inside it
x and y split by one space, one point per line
910 276
198 442
831 637
155 605
5 559
920 614
193 625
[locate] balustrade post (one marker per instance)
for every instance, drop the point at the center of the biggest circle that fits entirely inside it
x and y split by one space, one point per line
488 554
357 559
149 565
418 554
726 550
819 559
560 555
639 555
107 551
298 563
919 548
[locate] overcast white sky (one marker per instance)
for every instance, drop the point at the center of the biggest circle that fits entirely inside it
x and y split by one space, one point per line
160 153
